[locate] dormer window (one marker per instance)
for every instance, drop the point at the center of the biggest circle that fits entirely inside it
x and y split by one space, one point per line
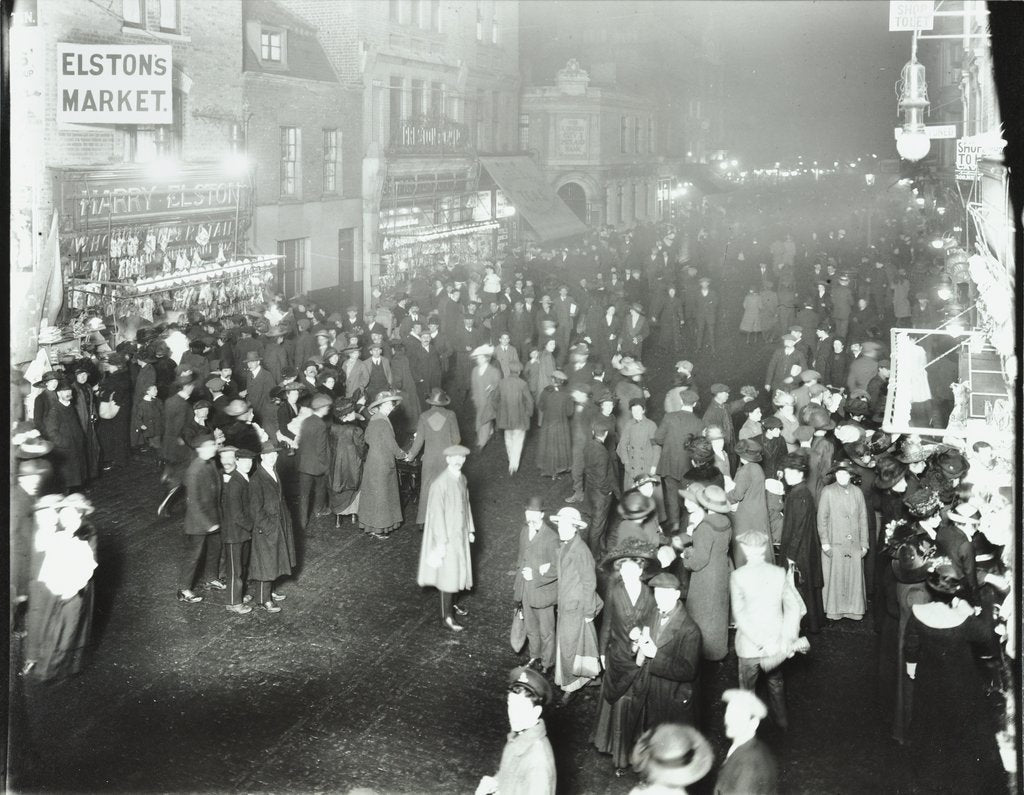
271 46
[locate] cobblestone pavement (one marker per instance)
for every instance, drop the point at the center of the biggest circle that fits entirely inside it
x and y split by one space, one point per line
356 683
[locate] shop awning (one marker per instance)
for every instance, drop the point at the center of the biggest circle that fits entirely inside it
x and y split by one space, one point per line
534 199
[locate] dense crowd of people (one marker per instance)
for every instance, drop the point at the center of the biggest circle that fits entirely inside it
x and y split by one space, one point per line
771 509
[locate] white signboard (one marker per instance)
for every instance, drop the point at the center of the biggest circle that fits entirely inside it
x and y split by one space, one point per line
113 84
911 15
934 131
967 153
573 135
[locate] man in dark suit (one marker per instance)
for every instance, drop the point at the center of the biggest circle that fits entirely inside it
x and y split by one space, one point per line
314 459
749 767
236 522
705 308
676 431
536 583
258 383
202 520
173 451
601 482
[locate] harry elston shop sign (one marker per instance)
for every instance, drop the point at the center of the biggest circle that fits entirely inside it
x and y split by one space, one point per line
113 84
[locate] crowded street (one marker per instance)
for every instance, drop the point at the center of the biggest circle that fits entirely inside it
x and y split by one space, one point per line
685 464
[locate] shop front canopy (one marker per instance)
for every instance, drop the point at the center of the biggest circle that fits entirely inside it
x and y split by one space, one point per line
534 199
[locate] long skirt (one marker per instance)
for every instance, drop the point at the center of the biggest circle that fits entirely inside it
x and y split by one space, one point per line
58 631
554 451
619 724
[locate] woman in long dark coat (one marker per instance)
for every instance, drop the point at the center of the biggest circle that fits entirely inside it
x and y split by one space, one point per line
555 409
436 430
403 382
670 323
953 727
347 452
61 594
800 541
114 434
86 407
707 598
63 429
272 554
624 686
380 503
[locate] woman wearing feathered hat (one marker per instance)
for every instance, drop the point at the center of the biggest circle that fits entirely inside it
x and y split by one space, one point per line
380 504
628 604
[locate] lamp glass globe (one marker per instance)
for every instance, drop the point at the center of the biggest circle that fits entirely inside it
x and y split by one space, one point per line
913 146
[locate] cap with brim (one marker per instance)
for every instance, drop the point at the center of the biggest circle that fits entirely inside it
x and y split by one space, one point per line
241 452
201 439
673 754
49 375
531 680
271 447
749 450
718 388
664 579
456 450
294 386
788 338
753 706
34 448
803 433
252 356
635 505
630 369
558 375
202 404
438 397
237 407
216 384
385 397
320 401
688 397
810 375
713 498
228 448
771 422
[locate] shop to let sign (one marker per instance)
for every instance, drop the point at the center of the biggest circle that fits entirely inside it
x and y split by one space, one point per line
911 15
114 84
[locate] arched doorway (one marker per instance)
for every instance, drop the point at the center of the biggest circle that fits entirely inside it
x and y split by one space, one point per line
575 197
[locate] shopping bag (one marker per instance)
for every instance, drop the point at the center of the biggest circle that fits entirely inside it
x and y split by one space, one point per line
517 637
587 661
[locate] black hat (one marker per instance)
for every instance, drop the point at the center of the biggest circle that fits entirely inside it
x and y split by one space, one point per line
923 503
534 504
889 471
631 548
635 505
795 461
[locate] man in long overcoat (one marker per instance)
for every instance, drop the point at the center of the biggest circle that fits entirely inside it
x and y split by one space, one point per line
273 545
447 533
673 659
801 546
677 430
314 460
63 428
236 524
202 519
536 583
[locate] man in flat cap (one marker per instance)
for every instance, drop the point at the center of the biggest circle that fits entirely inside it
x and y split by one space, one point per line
448 531
749 767
527 761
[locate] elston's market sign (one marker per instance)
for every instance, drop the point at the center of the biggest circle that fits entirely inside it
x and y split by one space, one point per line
114 84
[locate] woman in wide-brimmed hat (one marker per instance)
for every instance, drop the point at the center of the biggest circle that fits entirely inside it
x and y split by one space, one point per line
436 430
707 599
380 503
843 530
627 606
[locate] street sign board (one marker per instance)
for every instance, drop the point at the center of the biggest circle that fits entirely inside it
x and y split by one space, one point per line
911 15
934 131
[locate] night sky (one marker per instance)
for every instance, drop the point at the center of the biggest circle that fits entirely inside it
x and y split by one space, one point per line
810 78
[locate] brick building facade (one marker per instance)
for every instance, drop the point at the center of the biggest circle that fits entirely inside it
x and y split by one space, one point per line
46 156
304 133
